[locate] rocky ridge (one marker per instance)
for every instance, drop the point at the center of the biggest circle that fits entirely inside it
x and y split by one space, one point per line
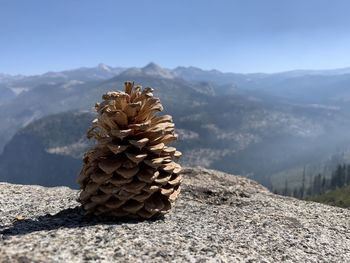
218 218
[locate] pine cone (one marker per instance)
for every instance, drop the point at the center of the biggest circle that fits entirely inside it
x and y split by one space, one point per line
130 171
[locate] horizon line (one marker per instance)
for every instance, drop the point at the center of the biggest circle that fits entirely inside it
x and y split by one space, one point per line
190 66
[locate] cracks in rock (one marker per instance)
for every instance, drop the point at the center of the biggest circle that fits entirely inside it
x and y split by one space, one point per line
216 197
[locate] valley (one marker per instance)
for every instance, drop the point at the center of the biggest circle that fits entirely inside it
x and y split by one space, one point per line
264 126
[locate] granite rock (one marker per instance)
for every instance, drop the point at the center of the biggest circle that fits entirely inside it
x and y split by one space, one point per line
218 218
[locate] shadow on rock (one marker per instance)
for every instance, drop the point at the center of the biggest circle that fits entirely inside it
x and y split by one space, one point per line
68 218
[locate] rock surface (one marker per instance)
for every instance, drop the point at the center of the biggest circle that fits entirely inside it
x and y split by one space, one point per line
218 218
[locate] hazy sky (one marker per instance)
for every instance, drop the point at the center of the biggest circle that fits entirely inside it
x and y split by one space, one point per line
238 36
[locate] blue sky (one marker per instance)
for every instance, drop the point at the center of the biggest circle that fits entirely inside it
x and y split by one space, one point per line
236 36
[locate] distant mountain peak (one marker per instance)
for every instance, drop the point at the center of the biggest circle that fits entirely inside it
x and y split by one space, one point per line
104 67
155 70
8 77
151 69
3 75
152 66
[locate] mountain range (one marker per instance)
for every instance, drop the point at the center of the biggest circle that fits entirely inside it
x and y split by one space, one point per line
265 126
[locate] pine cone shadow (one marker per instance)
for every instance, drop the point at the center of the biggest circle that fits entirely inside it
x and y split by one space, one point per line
67 218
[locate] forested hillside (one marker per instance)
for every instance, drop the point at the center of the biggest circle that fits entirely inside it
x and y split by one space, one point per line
238 123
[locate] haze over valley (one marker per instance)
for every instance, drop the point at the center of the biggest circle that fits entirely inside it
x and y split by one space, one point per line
265 126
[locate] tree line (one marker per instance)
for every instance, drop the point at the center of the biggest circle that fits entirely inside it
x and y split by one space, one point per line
319 183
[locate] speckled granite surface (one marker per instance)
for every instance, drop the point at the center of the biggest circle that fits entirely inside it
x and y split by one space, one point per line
218 218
